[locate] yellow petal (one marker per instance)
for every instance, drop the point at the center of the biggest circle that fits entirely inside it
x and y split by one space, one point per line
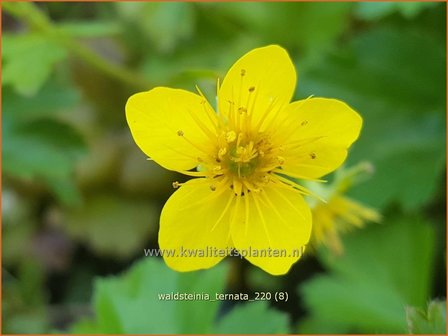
171 126
262 80
195 221
319 131
277 218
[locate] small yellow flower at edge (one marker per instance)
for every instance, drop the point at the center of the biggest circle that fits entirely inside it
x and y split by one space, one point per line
339 213
242 197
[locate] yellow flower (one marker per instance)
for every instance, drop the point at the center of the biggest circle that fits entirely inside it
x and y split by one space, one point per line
242 154
339 214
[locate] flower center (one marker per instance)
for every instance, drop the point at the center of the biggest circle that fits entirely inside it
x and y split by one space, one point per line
243 160
246 161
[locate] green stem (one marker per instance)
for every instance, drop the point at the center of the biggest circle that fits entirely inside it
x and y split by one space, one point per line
37 20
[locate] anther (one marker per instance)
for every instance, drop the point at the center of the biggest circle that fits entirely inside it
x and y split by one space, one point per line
242 110
180 133
243 72
212 187
240 150
222 151
176 184
230 136
312 155
281 160
252 89
200 159
303 123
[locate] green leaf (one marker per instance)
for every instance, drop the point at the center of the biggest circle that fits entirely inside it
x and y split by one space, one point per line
131 304
85 326
384 268
113 225
165 23
43 148
65 190
307 25
37 146
30 150
399 89
24 299
371 11
53 99
29 60
253 318
432 321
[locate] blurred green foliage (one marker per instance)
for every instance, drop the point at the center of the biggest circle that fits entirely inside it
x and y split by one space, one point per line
80 201
370 284
432 321
123 304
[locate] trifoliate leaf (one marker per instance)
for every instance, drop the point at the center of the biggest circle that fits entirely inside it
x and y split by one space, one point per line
253 318
399 89
131 303
384 268
29 60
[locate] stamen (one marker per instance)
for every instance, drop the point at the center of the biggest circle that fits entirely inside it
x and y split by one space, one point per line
226 208
230 136
242 110
222 151
281 126
266 114
298 176
202 126
251 108
197 146
209 111
194 173
236 209
251 187
301 189
288 201
176 184
272 207
217 170
246 215
237 187
210 197
263 220
303 142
